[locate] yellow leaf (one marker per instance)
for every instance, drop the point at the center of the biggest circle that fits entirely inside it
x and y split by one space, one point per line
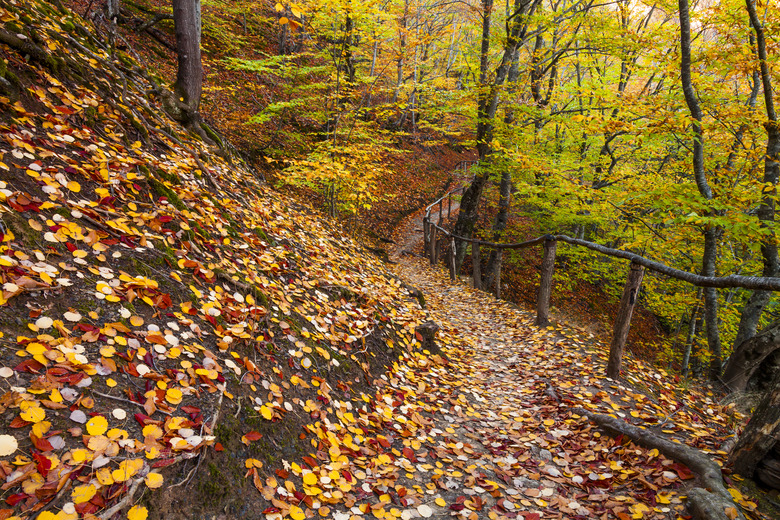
310 479
152 430
266 412
97 425
153 480
296 513
283 20
81 494
279 7
253 463
74 186
137 513
127 468
33 414
103 476
173 395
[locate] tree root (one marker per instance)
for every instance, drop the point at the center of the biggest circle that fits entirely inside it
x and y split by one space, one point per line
26 47
126 500
154 21
711 501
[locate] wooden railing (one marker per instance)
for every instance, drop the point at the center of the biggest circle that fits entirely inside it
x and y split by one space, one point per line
435 236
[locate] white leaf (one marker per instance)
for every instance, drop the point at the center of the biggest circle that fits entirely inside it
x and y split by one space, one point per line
8 445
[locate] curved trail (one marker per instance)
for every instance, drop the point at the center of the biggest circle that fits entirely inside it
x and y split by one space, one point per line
410 233
500 440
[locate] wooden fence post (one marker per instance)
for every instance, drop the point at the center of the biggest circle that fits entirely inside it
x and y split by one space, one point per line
500 257
437 249
441 209
623 319
451 259
545 282
425 234
449 205
477 273
432 244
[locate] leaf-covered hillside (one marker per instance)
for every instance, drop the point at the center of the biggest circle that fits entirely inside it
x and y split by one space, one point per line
166 319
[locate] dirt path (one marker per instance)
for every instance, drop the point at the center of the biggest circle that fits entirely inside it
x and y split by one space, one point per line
502 442
410 233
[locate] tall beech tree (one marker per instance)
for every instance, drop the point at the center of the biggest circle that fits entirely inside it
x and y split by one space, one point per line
711 231
748 355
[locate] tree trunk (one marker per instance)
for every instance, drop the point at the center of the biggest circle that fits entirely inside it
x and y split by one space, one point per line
401 52
487 104
760 435
505 188
189 75
475 266
747 357
502 217
751 313
710 255
623 319
686 359
545 283
112 9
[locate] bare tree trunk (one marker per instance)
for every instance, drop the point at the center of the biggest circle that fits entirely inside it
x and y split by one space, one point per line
711 233
686 359
747 358
499 224
189 76
401 52
623 319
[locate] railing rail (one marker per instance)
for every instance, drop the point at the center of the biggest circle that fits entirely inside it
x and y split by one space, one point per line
435 235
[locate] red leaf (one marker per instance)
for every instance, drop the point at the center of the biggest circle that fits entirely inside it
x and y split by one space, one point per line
253 436
18 422
16 498
41 444
142 419
163 463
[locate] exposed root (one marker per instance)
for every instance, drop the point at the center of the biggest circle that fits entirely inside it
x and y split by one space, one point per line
711 501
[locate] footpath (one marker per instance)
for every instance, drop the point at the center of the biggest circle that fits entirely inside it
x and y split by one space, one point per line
496 435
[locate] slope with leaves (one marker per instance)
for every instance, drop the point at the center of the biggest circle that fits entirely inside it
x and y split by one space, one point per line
160 306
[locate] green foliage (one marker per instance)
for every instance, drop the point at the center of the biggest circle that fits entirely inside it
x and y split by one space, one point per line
348 174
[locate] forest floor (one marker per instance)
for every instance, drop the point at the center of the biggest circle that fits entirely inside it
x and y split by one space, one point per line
503 440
